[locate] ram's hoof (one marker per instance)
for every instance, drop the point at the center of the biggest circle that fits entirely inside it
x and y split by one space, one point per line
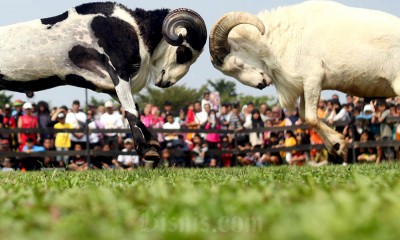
151 155
154 144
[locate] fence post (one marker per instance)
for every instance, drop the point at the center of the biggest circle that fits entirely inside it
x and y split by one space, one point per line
236 149
87 130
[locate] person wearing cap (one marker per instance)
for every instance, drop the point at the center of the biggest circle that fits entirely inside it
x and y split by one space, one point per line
18 111
128 161
30 122
78 120
62 140
111 120
32 163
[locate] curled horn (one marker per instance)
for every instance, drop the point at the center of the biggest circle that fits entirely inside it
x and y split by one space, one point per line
219 47
196 31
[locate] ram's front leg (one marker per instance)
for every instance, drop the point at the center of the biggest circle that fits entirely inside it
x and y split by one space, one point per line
146 144
334 141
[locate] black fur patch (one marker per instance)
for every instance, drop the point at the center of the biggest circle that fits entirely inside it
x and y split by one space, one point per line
47 83
105 8
90 59
79 81
183 54
120 42
54 20
150 25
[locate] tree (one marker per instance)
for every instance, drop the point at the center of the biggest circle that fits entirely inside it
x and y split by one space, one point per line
226 89
257 100
4 98
180 96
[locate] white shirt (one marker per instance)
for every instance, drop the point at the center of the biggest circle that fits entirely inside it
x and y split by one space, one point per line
73 119
201 117
174 125
129 159
111 121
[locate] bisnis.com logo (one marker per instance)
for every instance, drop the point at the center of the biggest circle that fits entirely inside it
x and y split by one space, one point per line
153 220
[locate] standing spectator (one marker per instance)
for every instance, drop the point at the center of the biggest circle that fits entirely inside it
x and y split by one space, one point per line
62 140
95 138
205 100
170 124
236 121
167 109
200 115
157 122
128 162
9 123
30 122
256 137
111 120
18 111
381 114
147 116
44 119
263 108
191 121
77 119
224 117
213 139
78 162
321 108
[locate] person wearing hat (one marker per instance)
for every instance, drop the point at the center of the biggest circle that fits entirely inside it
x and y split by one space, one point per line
18 111
128 161
62 140
29 121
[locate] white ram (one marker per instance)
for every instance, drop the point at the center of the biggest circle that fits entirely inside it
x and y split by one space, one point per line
105 47
306 48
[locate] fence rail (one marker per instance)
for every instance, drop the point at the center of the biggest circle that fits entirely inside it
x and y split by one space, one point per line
234 151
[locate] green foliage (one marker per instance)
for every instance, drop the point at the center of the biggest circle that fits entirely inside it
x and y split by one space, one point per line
257 100
180 96
226 89
332 202
4 98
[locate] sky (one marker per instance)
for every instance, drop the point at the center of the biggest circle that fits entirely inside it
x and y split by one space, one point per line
211 10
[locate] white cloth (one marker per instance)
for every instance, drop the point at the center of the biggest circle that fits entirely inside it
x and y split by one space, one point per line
74 119
111 121
174 125
129 159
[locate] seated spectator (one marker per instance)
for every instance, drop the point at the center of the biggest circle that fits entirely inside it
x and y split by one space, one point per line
165 160
246 159
367 154
256 138
181 150
32 163
128 162
198 153
290 141
273 158
78 162
226 158
6 165
48 161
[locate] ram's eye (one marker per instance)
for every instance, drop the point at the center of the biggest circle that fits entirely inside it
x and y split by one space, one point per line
183 55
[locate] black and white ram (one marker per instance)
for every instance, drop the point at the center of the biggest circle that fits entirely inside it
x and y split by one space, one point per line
105 47
306 48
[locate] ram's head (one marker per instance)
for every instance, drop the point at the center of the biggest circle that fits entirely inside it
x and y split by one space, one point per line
185 35
236 56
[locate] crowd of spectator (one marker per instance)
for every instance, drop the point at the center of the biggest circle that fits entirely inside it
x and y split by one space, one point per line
358 120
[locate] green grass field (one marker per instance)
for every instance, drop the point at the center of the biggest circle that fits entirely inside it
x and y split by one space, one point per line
333 202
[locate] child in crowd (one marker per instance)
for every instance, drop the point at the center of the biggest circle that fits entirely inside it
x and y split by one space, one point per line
78 162
128 162
62 141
